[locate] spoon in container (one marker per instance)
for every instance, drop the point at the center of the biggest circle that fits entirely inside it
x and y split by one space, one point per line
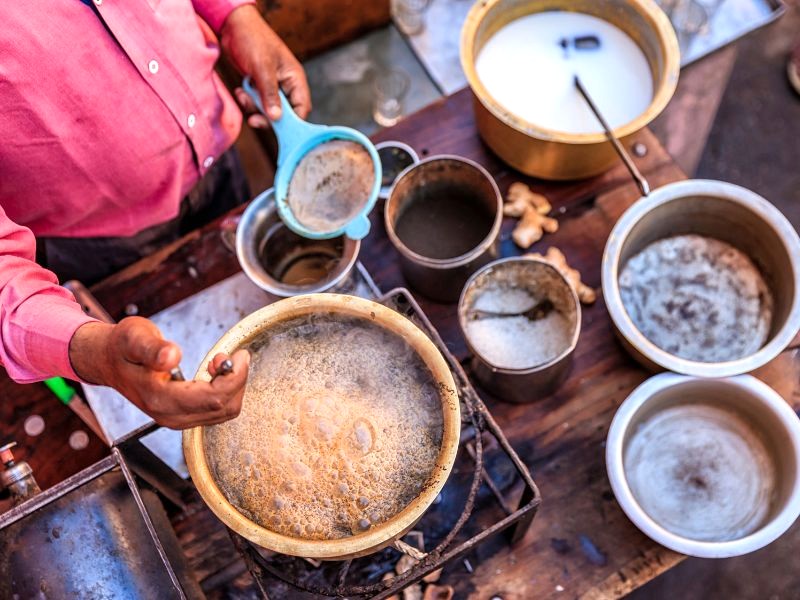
641 182
538 311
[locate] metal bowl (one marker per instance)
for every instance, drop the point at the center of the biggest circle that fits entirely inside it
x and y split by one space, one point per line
753 401
379 536
541 279
261 237
551 154
726 212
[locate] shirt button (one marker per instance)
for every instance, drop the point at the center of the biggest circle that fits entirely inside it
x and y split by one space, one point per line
98 2
153 66
191 120
208 161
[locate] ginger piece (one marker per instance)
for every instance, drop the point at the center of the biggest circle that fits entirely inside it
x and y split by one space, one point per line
520 196
556 258
531 228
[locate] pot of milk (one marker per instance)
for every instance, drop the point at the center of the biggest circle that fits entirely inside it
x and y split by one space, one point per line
521 57
348 431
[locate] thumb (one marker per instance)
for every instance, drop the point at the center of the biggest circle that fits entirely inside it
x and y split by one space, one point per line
143 344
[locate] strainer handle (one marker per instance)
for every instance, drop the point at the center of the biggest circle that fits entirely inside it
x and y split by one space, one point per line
290 129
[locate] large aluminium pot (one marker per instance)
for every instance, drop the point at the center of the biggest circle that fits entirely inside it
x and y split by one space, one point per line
550 154
258 324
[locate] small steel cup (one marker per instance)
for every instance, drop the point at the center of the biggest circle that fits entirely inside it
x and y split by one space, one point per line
443 278
542 280
268 250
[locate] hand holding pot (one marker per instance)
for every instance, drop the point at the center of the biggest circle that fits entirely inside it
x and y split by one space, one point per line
134 358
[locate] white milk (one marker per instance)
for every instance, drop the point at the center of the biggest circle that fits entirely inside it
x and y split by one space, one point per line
526 70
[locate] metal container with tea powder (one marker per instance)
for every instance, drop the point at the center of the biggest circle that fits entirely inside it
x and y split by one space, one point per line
521 320
545 143
443 215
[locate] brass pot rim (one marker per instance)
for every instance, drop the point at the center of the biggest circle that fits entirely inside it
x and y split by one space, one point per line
664 86
382 534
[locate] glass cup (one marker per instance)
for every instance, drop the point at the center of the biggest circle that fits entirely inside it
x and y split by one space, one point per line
409 15
390 87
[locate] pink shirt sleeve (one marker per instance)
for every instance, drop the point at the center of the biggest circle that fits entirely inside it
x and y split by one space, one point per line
37 316
214 12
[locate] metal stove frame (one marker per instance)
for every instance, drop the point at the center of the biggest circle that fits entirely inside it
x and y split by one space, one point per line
476 422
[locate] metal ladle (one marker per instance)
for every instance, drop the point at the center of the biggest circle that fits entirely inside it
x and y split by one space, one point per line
641 182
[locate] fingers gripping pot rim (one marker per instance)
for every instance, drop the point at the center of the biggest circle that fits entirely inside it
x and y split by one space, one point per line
384 533
296 138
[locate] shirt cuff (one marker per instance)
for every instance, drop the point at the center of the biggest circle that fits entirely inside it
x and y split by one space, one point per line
57 323
214 12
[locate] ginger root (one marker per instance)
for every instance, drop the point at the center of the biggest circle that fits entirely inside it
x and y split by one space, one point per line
520 197
532 208
556 258
531 228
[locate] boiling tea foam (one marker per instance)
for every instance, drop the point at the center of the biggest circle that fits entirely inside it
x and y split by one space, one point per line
524 68
340 429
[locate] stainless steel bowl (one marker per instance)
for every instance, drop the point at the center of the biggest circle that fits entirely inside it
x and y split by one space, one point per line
729 213
268 250
772 420
542 280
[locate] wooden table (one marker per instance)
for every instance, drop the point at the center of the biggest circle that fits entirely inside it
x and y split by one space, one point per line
581 544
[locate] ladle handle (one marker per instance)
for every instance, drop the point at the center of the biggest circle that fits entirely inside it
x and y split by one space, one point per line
290 129
641 182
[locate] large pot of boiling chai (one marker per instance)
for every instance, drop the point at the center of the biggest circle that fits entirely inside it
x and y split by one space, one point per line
348 431
521 58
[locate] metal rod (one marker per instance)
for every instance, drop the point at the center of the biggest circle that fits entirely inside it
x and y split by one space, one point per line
641 182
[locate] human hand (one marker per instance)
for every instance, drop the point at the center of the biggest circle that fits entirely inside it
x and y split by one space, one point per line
133 358
256 50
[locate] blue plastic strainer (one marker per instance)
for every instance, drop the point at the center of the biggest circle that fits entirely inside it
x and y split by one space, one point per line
296 138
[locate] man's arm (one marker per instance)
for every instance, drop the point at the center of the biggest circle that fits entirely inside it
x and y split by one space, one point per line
37 316
44 333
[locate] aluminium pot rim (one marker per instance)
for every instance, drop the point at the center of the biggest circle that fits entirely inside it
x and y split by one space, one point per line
664 87
376 537
527 370
456 261
260 277
679 190
767 399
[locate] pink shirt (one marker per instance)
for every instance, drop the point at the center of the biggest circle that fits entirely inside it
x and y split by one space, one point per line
108 119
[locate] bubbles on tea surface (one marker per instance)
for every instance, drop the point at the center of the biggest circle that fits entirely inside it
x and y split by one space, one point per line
344 423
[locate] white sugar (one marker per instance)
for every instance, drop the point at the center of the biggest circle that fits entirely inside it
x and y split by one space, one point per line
516 342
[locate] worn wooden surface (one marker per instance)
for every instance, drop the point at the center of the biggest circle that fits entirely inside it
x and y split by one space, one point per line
581 544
